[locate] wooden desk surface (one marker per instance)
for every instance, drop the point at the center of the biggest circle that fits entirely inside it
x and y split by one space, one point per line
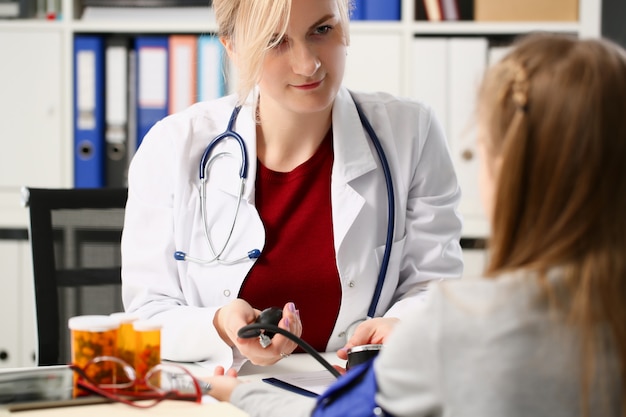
165 408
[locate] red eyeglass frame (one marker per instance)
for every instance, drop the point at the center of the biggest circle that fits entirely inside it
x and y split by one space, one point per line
134 398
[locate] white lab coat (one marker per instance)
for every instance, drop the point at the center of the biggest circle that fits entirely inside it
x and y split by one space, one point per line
163 216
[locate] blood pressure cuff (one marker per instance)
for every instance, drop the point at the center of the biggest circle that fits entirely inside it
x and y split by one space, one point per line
353 395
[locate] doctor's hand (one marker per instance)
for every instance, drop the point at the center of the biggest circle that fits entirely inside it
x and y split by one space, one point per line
232 317
372 331
279 347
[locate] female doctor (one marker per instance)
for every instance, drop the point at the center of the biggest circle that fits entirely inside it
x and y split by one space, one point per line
295 207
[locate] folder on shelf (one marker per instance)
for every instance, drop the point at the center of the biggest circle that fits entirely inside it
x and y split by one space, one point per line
88 111
358 11
433 10
420 10
449 9
131 141
382 10
527 10
22 9
183 61
152 82
211 82
9 8
466 9
116 110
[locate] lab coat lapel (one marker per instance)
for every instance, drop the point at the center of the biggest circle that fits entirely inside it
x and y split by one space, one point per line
353 158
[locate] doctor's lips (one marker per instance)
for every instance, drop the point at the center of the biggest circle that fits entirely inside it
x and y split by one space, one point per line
309 86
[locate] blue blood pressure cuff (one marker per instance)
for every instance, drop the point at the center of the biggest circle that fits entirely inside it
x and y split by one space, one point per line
353 395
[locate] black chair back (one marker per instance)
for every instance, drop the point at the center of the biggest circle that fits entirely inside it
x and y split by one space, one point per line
75 240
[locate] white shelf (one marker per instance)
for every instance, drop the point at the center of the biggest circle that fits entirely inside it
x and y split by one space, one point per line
152 20
31 25
104 26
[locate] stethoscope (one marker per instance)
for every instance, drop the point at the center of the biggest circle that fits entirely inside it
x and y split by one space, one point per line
230 133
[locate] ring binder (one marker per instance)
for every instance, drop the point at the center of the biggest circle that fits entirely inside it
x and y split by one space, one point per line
88 111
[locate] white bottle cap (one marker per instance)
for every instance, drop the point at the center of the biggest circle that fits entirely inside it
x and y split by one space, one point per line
93 323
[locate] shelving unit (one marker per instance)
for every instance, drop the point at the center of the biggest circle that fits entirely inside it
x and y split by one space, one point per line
390 38
36 109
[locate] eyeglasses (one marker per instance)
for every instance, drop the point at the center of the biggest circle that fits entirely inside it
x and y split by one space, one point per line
116 380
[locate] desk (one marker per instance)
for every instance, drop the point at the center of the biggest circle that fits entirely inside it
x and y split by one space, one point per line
300 362
165 408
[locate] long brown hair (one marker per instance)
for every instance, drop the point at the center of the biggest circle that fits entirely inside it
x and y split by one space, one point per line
554 113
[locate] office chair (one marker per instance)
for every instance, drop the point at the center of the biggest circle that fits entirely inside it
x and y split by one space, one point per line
75 241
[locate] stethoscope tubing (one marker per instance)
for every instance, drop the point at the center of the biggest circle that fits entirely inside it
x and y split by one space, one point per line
391 208
230 133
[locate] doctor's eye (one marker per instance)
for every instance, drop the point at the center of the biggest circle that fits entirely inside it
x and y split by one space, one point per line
322 30
277 42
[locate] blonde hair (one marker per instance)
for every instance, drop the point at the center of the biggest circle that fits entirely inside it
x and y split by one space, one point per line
554 114
253 27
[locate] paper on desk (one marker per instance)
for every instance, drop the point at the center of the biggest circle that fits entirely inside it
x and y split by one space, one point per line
317 381
235 361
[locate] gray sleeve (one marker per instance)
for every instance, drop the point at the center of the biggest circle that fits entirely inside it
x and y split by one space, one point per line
263 400
407 369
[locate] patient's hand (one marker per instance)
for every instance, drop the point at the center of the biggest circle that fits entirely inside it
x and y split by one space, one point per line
222 383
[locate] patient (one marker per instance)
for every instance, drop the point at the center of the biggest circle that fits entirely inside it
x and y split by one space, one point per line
543 333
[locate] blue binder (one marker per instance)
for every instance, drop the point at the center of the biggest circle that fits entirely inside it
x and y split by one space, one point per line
152 82
89 160
382 10
211 82
358 12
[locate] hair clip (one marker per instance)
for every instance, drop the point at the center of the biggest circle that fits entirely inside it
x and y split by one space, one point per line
520 88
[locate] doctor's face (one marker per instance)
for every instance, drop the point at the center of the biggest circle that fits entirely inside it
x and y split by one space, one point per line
304 71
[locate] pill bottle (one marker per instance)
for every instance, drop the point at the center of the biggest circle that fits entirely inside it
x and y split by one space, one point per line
147 350
126 337
93 336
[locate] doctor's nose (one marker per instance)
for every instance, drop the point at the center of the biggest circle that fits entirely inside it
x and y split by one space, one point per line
304 60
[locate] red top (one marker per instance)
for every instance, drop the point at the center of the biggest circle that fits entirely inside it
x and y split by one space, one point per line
298 261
